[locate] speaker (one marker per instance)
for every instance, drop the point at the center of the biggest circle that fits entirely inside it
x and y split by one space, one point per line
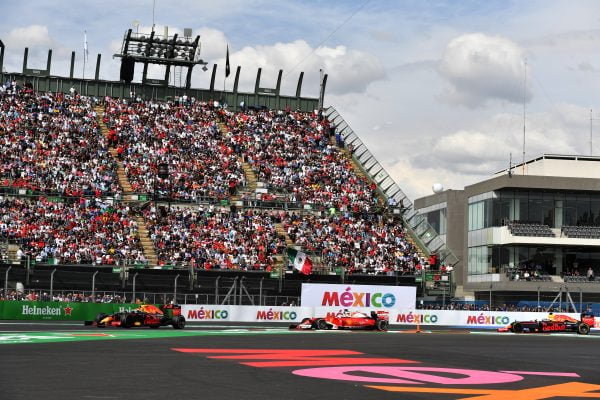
127 67
163 170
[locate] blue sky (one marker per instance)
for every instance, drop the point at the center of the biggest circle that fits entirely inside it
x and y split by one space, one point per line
434 88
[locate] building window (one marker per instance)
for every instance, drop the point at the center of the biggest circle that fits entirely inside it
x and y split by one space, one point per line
479 260
477 214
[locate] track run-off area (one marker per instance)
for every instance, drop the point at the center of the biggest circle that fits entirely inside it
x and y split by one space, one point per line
235 361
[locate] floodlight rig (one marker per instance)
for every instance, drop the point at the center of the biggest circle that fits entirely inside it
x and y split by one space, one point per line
162 50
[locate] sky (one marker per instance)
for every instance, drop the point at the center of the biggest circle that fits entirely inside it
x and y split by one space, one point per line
439 91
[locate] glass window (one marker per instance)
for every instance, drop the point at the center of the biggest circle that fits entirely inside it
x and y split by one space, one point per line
488 212
479 260
470 222
558 213
470 263
476 215
443 220
583 210
521 207
548 212
535 211
595 211
434 220
523 254
480 218
570 211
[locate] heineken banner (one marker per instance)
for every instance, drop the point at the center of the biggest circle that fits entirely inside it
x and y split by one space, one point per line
59 311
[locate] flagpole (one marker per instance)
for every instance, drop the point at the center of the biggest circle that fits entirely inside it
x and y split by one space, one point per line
84 51
227 71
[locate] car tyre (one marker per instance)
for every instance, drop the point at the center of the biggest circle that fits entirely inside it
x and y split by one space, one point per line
126 320
583 328
178 322
517 328
100 317
321 324
382 325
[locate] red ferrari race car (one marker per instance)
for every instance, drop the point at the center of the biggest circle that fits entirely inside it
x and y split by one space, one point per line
146 315
378 320
554 323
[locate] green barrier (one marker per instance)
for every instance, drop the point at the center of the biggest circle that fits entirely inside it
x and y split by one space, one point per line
59 311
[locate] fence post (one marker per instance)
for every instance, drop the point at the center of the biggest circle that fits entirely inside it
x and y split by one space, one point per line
175 290
260 291
94 284
240 295
28 269
6 282
133 295
52 282
217 290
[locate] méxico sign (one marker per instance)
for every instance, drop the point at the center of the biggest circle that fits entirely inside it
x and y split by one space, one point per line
358 296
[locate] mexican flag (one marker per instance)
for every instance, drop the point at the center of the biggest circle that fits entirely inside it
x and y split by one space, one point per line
301 262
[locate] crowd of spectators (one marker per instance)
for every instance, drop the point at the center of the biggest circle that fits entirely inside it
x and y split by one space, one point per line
86 231
52 143
527 272
215 238
292 153
366 244
462 306
181 134
39 295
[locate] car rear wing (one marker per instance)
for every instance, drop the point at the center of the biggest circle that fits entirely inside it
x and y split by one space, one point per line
380 315
171 310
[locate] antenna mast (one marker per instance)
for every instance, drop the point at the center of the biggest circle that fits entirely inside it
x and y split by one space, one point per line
524 112
153 9
591 118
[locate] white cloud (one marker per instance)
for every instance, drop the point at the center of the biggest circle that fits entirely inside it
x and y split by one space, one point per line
38 39
350 71
29 36
468 155
479 68
417 181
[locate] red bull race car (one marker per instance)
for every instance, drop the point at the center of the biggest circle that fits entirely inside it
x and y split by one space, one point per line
377 320
553 324
146 315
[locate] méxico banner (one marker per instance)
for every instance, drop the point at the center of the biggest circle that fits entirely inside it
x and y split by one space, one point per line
469 319
222 313
373 297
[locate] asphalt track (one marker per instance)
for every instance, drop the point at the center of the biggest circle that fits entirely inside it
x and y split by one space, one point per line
70 361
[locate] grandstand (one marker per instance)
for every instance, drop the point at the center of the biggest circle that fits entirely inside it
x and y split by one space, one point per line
126 187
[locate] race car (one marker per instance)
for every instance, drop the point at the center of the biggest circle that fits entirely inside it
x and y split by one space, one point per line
554 323
377 320
146 315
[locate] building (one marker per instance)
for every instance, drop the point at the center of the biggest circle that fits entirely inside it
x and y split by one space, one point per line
531 230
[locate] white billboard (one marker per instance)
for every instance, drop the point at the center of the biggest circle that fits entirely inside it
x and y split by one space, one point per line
359 296
215 313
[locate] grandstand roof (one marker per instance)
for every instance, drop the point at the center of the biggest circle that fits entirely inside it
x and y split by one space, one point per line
570 166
